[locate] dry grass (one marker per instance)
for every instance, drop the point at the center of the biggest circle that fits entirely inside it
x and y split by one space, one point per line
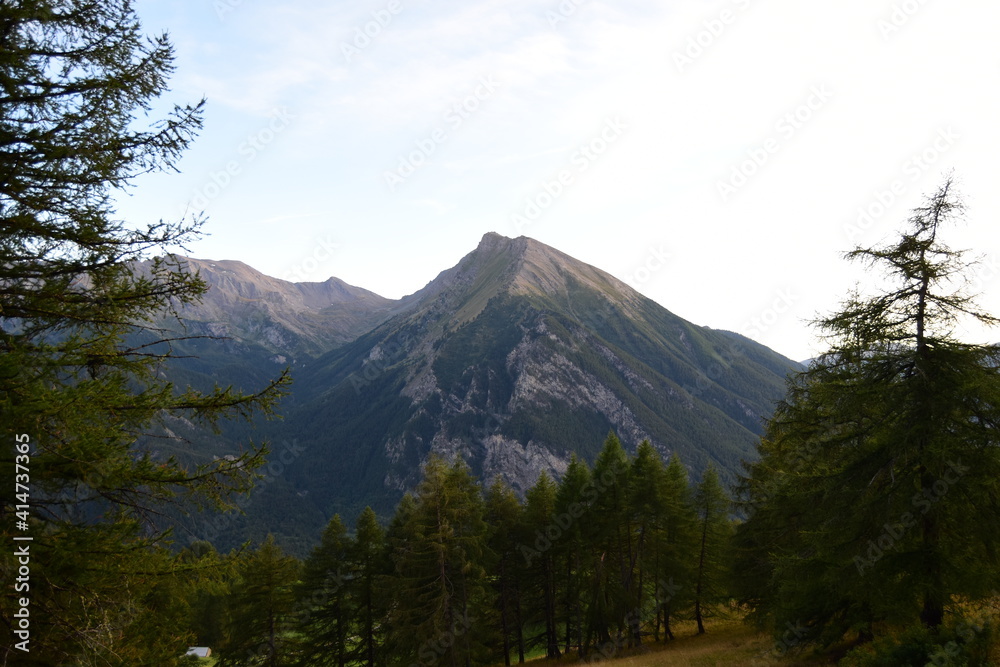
724 643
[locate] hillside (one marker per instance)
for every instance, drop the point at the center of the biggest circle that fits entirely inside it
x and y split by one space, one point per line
514 359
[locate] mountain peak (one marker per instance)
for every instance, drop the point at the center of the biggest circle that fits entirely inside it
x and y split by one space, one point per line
545 271
520 266
493 239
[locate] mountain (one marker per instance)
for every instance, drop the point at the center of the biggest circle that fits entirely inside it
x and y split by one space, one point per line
297 319
514 359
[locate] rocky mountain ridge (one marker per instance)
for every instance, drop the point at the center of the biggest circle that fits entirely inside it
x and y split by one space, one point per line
291 319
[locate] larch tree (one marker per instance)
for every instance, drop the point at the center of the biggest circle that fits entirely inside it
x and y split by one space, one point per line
610 532
80 357
646 512
369 565
574 497
876 499
673 564
439 551
541 528
504 516
262 610
711 571
323 593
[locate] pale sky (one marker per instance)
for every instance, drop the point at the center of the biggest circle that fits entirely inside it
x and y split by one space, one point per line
715 155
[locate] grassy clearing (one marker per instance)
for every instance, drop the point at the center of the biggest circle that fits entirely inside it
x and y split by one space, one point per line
724 643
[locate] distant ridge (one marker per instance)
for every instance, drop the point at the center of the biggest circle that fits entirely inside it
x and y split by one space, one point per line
295 319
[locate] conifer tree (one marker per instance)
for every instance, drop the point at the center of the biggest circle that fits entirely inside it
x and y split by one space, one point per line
261 610
645 501
574 497
439 549
80 357
208 582
504 516
674 562
539 518
369 565
400 535
323 592
876 500
611 601
711 572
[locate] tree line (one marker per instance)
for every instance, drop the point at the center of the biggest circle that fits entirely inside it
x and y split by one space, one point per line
604 560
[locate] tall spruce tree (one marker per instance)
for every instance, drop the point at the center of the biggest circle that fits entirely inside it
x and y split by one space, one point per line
79 367
876 499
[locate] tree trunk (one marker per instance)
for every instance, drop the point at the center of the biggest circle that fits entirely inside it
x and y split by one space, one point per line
932 613
341 638
569 601
551 628
636 617
519 624
370 629
272 643
504 603
701 569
